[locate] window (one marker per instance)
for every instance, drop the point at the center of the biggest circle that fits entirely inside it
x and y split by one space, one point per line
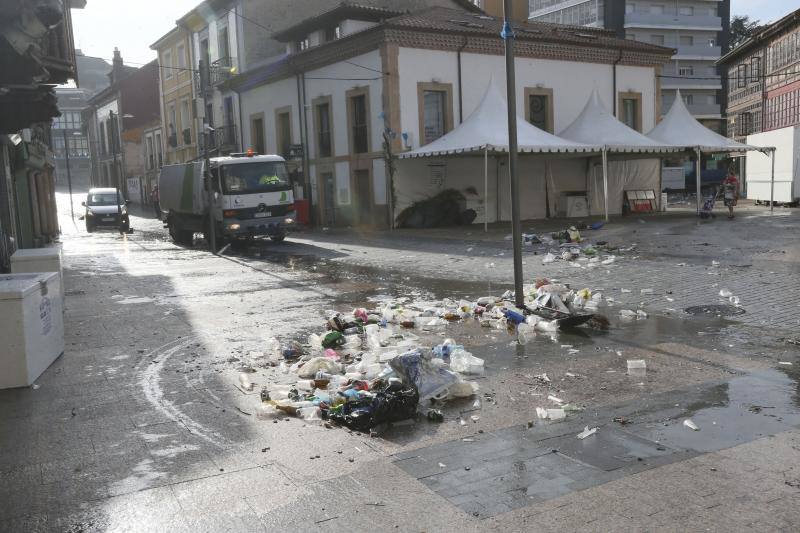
741 76
630 105
657 39
688 99
324 147
166 65
173 126
686 70
186 119
686 11
358 124
257 135
222 42
657 9
284 132
686 40
712 42
301 45
103 141
755 69
434 115
630 8
149 154
181 56
159 153
331 34
539 108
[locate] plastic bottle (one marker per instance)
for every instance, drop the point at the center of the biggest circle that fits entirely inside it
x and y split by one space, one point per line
525 333
513 317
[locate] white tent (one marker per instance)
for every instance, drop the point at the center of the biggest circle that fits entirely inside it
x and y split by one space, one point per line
487 129
595 124
680 129
485 132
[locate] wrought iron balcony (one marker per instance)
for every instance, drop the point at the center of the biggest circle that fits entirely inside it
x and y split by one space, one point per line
222 70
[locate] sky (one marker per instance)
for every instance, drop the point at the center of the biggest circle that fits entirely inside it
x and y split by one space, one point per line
130 26
764 10
134 26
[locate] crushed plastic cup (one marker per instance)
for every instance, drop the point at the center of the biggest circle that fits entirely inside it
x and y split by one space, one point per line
548 258
725 293
734 300
627 314
646 291
525 333
691 425
609 261
637 368
465 363
244 382
547 326
586 433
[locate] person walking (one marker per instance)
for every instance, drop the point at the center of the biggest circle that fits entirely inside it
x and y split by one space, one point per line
730 190
156 205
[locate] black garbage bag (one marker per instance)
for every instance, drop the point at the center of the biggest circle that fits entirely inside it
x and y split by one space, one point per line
393 403
448 208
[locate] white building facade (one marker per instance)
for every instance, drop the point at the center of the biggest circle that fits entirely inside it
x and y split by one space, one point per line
697 30
415 77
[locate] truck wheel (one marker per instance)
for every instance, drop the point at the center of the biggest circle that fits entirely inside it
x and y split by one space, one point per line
89 227
180 236
278 238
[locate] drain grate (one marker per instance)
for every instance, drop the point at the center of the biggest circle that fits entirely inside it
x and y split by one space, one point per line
715 310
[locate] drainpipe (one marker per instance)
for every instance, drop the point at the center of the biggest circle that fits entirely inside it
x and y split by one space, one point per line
614 96
301 118
460 85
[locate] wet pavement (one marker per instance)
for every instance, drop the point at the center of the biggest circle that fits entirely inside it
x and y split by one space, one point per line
140 425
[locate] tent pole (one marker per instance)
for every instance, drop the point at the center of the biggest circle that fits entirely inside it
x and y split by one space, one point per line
699 180
772 186
605 181
486 190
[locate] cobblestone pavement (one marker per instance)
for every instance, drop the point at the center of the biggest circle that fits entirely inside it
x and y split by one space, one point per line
140 426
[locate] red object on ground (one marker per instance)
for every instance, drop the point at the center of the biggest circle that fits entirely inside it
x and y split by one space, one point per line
301 207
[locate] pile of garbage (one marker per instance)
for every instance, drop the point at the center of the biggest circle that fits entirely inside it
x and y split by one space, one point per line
369 368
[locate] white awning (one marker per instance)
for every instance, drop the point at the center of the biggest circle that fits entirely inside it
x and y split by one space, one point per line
680 128
486 130
596 125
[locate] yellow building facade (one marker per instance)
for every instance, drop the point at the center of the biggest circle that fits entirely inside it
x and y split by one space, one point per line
177 90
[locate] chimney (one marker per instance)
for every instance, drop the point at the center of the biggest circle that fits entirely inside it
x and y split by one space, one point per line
116 71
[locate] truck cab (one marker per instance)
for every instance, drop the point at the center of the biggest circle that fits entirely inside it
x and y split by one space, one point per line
252 196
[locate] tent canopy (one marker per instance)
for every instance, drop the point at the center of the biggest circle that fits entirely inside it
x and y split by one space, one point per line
595 124
680 128
486 129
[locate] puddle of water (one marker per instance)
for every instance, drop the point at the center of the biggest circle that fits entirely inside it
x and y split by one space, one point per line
744 409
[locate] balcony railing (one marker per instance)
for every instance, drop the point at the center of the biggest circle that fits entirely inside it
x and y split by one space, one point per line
650 20
222 70
696 109
225 138
699 51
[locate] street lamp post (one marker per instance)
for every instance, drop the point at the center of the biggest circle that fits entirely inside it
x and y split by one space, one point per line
69 172
511 84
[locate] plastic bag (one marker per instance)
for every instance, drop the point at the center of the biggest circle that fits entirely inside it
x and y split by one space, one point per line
464 362
310 369
414 369
549 258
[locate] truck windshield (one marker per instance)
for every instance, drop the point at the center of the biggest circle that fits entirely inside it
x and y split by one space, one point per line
103 199
256 177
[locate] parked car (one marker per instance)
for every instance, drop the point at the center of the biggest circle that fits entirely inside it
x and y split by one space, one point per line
106 208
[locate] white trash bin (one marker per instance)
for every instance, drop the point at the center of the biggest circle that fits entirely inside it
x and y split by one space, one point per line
31 326
25 261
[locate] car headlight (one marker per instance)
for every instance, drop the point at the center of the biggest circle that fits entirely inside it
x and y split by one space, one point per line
289 221
234 227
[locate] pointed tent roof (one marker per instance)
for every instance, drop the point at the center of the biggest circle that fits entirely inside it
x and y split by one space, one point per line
596 125
487 129
680 128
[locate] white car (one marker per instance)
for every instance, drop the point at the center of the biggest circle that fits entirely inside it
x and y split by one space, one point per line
106 207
